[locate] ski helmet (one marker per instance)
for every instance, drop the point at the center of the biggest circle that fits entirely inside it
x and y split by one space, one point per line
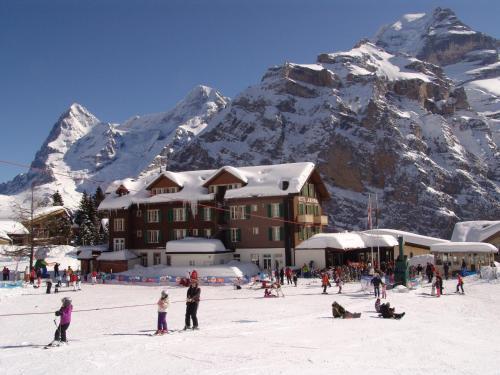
164 294
66 301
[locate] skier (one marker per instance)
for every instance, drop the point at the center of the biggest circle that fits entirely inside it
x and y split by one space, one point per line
73 279
446 268
194 275
163 304
388 312
339 312
338 282
65 313
282 276
78 281
192 301
277 288
294 277
376 281
288 274
439 284
428 271
56 270
32 276
460 283
324 282
433 286
94 277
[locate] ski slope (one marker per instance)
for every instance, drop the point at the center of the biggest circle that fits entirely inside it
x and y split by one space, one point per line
243 333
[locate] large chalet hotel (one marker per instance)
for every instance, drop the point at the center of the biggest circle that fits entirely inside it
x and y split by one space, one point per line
254 214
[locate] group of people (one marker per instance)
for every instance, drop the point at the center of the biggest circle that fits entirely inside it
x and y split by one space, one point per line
6 273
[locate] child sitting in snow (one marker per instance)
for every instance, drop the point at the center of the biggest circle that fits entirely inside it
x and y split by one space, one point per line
377 305
268 294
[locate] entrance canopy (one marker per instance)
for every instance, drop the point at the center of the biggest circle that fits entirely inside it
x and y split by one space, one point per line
190 245
347 241
464 247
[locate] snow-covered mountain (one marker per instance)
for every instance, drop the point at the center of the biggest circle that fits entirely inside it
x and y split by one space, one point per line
411 115
375 120
81 152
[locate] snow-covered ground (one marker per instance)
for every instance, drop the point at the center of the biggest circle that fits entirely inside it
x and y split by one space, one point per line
243 333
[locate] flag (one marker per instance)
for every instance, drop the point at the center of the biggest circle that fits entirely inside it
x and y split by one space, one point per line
369 212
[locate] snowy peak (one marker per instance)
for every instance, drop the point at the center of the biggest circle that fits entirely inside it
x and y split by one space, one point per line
438 37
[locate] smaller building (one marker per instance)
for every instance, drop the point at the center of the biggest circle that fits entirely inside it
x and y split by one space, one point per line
4 238
336 249
197 252
473 254
117 261
14 232
478 231
87 255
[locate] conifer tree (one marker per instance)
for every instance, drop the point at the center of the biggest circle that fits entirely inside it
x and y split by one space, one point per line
57 199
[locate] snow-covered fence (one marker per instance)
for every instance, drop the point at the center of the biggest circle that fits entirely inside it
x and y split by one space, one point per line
171 280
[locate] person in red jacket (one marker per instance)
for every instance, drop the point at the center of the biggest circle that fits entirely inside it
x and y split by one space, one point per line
73 280
325 281
194 275
94 277
460 283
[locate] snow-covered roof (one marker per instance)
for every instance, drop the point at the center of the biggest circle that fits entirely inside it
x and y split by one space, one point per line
13 227
231 170
409 237
4 236
117 255
464 247
261 181
474 231
195 245
347 241
85 252
44 211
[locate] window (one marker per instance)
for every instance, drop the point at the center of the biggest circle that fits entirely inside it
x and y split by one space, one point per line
118 244
255 259
239 212
316 210
275 233
255 207
156 258
144 259
169 260
208 232
214 188
236 257
165 190
255 231
267 261
119 225
207 213
194 232
235 234
139 234
153 236
180 214
301 209
191 263
179 234
138 213
275 210
153 216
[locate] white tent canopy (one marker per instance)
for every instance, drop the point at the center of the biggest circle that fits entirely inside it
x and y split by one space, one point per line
347 241
409 237
464 247
117 255
195 245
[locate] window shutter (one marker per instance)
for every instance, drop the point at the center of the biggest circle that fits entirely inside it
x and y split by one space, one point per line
282 233
160 237
281 210
238 234
248 209
270 233
170 215
171 234
186 214
159 216
269 213
146 235
211 214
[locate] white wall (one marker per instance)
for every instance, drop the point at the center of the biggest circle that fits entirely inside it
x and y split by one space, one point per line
182 260
306 255
277 254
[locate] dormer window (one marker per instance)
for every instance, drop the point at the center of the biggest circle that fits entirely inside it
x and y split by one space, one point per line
122 190
164 190
214 188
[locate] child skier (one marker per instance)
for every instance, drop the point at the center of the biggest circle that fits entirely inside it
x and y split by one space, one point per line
294 277
65 319
163 304
384 290
460 283
324 282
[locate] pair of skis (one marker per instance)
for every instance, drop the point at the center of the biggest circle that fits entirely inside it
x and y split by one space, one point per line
56 343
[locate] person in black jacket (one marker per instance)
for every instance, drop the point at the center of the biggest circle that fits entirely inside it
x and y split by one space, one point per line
192 301
446 268
376 281
428 272
388 312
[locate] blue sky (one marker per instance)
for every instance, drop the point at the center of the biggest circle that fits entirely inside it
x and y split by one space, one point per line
123 58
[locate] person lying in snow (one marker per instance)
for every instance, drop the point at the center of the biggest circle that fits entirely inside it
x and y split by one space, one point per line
268 294
377 305
388 312
339 312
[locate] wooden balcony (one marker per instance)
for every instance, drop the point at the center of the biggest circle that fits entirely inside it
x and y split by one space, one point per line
322 220
305 219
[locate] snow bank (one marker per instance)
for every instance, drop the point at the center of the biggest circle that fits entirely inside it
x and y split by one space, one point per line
65 255
12 227
195 245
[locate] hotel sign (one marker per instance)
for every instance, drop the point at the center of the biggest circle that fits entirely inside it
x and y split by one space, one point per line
308 200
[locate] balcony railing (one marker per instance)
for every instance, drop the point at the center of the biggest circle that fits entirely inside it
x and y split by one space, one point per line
322 219
308 219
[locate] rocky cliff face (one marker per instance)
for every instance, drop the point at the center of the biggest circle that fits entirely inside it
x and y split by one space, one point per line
375 120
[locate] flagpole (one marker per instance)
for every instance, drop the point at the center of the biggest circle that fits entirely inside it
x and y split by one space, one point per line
370 223
376 224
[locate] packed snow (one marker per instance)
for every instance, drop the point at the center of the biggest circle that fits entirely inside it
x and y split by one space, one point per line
243 333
